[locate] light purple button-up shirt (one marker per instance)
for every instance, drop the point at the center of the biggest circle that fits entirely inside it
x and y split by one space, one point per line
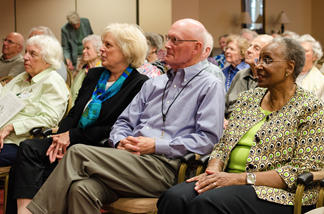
194 122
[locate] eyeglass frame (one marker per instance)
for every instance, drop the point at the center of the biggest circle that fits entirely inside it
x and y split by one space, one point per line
259 62
167 38
10 42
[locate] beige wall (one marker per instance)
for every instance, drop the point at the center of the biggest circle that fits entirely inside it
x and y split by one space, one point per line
317 20
298 12
185 9
155 15
7 23
218 16
52 13
32 13
102 12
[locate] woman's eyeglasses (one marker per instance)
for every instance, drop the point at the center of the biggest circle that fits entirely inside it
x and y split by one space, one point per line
267 61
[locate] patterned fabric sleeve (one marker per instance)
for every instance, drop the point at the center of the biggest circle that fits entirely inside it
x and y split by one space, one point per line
308 145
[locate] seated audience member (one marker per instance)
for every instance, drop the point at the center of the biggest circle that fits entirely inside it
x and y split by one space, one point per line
235 51
161 53
147 141
311 78
254 168
92 58
105 93
41 89
11 62
290 34
248 34
246 78
41 30
155 45
147 68
221 57
208 66
72 34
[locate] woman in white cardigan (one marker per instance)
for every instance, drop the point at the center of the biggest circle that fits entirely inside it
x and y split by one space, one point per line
311 78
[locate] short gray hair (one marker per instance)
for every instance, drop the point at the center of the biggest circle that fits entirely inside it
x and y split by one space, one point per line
210 42
290 34
148 48
95 40
292 50
73 17
245 30
131 40
155 40
316 46
44 29
51 49
225 36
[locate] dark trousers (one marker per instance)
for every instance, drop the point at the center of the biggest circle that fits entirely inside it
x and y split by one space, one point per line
182 198
30 171
8 154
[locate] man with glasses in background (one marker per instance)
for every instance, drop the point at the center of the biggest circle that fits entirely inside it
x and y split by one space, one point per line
11 61
173 114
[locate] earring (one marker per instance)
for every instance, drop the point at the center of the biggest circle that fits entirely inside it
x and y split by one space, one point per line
98 54
287 74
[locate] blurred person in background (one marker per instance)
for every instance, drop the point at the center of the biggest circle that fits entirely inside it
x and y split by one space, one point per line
311 78
235 51
41 30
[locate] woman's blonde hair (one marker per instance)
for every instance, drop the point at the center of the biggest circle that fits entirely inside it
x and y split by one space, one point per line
241 42
131 40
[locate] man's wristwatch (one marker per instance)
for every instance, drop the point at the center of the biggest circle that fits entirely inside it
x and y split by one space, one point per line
250 178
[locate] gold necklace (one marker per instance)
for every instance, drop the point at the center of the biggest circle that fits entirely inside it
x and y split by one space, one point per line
286 101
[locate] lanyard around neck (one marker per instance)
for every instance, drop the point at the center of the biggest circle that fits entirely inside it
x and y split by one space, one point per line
167 111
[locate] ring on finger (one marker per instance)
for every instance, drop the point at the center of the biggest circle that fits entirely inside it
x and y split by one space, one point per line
215 184
60 149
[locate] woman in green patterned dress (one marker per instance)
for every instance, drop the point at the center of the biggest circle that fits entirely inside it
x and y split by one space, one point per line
274 134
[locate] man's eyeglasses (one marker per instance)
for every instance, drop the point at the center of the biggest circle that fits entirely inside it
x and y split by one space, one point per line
176 41
267 61
9 41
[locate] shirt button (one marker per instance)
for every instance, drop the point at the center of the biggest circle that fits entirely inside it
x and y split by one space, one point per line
185 80
147 127
167 101
174 86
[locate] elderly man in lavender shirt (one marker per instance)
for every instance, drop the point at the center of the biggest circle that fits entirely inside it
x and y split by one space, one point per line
172 115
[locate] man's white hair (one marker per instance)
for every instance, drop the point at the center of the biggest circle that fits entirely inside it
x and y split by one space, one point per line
210 42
